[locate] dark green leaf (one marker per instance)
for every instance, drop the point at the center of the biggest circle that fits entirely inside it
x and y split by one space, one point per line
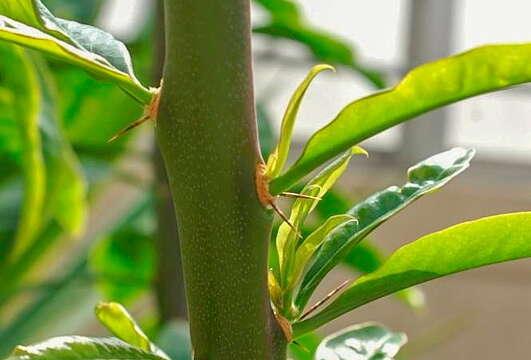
79 347
425 177
461 247
361 342
29 23
427 87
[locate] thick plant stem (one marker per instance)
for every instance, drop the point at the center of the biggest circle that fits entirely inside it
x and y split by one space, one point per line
207 135
169 286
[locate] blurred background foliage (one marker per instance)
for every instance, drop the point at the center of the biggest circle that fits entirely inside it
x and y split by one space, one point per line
82 220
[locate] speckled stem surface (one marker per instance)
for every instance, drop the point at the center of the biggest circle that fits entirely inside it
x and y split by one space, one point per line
207 135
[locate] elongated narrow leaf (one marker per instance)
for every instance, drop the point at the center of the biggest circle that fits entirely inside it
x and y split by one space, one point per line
79 347
122 325
361 342
365 258
425 177
318 186
427 87
22 108
278 158
312 242
79 51
461 247
287 22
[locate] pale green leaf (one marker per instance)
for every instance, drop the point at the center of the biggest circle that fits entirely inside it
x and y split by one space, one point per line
279 156
461 247
122 325
361 342
82 348
286 240
423 178
427 87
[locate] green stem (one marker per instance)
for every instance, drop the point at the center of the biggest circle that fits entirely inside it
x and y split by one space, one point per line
169 284
207 136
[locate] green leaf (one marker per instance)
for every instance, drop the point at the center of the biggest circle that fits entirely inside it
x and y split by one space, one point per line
427 87
288 22
80 347
286 240
461 247
29 23
22 109
366 258
423 178
361 342
278 158
307 248
122 325
305 346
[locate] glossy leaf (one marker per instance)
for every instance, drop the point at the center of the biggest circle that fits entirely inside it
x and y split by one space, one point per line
20 78
461 247
277 159
85 46
361 342
366 258
79 347
307 248
288 22
122 325
305 347
425 177
427 87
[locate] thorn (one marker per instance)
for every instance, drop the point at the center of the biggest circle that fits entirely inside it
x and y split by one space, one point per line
285 218
120 133
300 196
150 112
324 300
